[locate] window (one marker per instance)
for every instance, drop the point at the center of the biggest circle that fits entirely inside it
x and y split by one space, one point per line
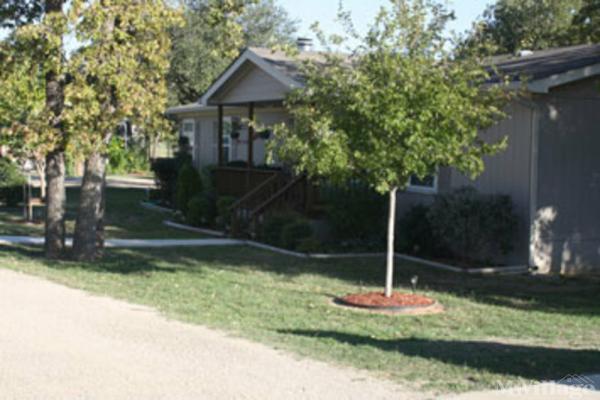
188 130
425 185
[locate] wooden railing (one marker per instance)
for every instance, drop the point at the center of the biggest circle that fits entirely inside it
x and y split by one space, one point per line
279 192
237 182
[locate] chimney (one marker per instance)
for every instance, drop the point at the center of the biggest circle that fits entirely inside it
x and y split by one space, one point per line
304 44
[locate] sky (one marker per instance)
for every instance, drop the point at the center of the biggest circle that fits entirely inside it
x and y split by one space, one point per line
364 11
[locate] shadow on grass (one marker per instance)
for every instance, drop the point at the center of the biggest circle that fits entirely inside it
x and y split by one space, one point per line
566 296
529 362
115 261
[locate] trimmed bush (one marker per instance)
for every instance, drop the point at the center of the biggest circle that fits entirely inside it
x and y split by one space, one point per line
272 227
309 245
294 233
475 227
356 213
188 186
165 174
11 183
415 234
224 204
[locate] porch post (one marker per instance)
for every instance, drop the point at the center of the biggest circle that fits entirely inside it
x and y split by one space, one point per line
220 135
250 135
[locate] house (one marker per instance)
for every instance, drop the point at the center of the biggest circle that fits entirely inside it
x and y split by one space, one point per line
551 168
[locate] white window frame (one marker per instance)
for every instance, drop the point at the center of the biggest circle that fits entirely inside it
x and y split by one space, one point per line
191 137
423 189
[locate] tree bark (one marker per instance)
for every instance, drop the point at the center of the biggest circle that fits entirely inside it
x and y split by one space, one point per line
55 160
88 241
389 275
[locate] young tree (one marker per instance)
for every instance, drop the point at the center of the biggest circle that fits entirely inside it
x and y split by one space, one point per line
212 37
399 105
118 73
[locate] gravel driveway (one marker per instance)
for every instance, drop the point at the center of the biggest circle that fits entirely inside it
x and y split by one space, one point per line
61 343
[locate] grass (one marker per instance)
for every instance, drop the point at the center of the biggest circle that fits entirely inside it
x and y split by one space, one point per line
495 330
125 219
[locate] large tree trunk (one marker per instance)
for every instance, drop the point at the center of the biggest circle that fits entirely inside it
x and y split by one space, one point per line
55 205
389 274
88 241
55 160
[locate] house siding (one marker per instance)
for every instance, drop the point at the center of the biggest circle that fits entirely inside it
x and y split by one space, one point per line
252 85
506 173
567 219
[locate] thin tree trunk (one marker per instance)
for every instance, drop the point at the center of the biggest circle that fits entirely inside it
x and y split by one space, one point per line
389 274
55 160
88 241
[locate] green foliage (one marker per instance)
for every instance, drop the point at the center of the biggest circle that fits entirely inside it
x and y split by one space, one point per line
123 159
403 105
272 228
188 186
415 234
356 213
212 36
10 175
474 227
224 204
309 245
295 233
11 183
201 210
513 25
165 174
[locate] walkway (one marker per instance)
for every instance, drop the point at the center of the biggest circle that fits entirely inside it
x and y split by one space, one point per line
116 243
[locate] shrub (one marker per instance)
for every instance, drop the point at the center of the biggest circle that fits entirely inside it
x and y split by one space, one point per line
356 213
224 204
272 227
415 234
11 183
309 245
165 174
475 227
124 158
200 211
295 233
166 171
188 186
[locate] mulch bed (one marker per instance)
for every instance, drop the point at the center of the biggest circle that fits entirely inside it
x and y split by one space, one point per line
398 303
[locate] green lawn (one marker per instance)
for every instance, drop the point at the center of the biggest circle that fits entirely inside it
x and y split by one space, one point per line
125 218
495 329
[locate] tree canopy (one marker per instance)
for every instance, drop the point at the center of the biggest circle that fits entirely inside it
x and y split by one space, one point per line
513 25
212 37
400 104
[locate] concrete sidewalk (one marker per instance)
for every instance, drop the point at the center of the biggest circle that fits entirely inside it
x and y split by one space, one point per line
129 243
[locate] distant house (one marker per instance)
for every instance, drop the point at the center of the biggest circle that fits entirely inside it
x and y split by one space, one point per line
551 168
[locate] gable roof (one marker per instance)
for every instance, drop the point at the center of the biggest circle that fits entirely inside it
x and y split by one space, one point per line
544 69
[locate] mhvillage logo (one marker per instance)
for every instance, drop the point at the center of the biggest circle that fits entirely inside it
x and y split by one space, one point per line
570 387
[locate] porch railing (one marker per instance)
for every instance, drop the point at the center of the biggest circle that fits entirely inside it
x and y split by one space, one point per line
237 182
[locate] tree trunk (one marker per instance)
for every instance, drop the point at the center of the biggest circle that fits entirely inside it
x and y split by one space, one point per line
55 160
88 241
55 205
389 274
40 168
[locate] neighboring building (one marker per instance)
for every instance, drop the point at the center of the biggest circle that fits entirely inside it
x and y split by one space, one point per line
551 168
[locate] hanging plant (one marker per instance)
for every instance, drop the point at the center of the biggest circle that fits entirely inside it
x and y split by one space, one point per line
235 135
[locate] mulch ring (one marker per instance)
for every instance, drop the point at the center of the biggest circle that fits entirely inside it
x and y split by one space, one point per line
398 303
